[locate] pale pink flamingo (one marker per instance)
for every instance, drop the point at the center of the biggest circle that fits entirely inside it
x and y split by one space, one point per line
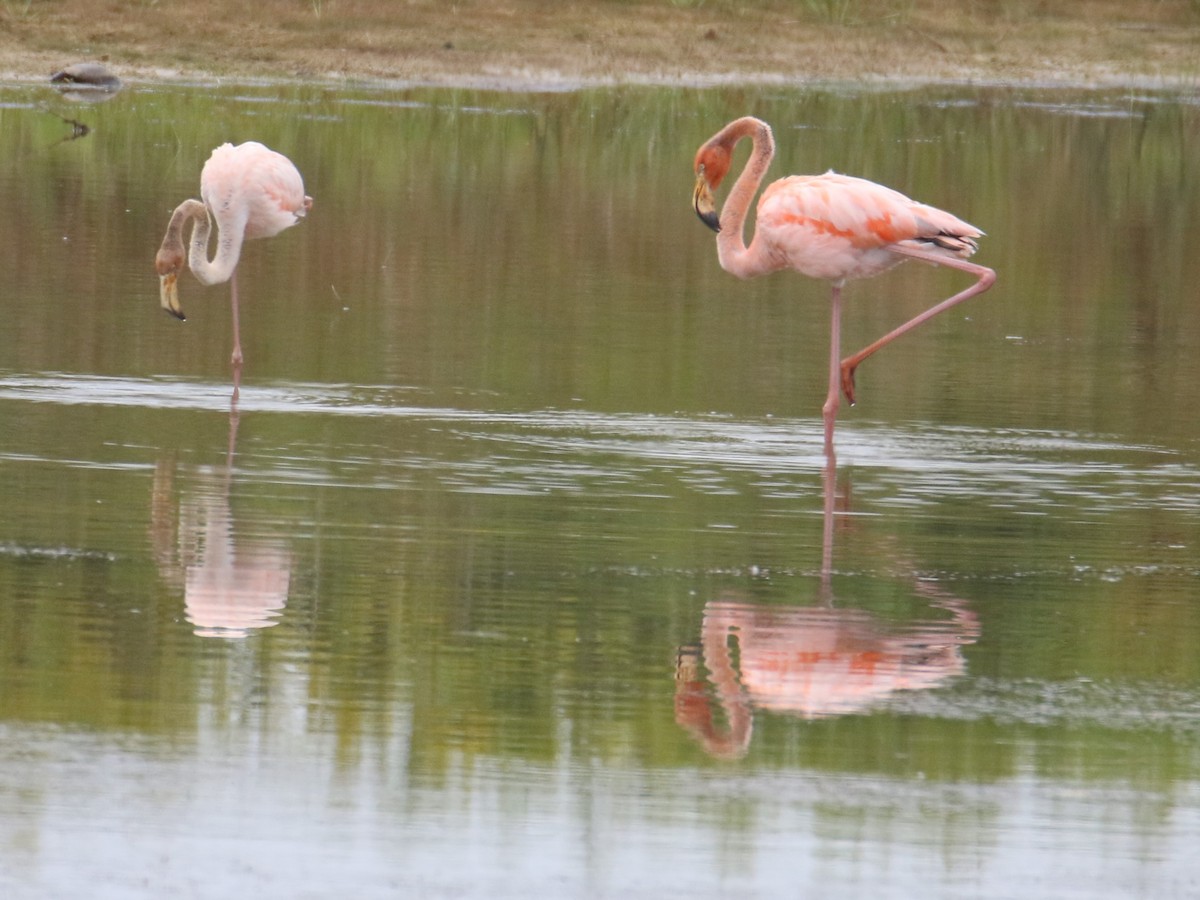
830 226
251 192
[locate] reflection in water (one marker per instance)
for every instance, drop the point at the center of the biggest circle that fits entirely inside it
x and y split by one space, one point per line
231 585
78 129
813 662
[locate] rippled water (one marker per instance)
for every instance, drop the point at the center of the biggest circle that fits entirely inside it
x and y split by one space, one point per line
518 569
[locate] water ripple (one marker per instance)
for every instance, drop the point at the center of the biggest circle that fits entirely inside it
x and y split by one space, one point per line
1083 702
572 450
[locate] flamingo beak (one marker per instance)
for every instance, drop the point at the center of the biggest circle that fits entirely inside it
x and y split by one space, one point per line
168 295
705 206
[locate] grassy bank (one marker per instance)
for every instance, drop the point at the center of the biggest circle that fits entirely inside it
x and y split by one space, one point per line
561 43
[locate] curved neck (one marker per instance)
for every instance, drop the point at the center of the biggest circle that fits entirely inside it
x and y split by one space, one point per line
188 209
724 676
735 257
231 232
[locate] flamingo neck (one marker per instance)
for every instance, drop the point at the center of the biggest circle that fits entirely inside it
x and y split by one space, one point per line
187 210
735 257
231 232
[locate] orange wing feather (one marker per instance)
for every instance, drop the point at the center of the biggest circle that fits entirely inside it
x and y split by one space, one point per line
837 226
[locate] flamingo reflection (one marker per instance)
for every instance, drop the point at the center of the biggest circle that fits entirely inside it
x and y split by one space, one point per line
812 662
232 585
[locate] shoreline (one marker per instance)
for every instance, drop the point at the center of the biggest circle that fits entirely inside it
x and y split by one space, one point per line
561 45
555 82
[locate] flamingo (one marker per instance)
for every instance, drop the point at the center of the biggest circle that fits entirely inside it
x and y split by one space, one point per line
251 192
834 227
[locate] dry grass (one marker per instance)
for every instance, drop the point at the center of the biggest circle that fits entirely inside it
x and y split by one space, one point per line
558 43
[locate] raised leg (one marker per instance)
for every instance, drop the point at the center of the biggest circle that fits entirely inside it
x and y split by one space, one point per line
833 398
985 277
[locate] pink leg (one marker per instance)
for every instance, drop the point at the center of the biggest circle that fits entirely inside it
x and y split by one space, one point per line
833 398
236 359
985 278
832 401
237 340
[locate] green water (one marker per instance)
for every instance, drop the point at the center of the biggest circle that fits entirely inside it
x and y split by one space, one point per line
508 578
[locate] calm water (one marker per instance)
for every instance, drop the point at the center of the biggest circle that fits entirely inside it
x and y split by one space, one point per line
514 575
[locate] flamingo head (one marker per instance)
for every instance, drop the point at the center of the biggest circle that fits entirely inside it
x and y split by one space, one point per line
171 256
712 164
169 263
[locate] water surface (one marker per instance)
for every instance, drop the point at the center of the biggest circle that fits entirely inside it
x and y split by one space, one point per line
518 570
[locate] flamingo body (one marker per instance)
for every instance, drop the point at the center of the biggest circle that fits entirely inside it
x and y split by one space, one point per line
838 227
253 190
249 191
833 227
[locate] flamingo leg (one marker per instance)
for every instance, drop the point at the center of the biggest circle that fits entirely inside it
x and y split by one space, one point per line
984 280
236 359
833 399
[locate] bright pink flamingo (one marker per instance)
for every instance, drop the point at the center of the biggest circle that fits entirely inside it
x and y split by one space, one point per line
827 226
251 192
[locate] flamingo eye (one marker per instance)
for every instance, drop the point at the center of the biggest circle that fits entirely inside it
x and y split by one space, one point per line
712 163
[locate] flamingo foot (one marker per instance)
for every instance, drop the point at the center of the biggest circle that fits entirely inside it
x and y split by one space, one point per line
848 381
